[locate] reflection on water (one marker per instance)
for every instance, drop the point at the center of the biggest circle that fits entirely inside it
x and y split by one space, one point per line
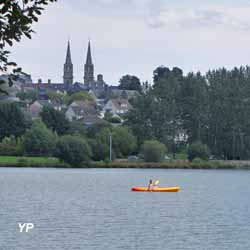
94 209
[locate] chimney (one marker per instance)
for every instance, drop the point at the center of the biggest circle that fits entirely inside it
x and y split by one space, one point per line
49 81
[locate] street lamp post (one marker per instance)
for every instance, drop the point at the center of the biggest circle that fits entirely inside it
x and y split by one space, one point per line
110 146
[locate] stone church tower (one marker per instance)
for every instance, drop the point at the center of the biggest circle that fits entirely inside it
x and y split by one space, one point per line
68 68
89 79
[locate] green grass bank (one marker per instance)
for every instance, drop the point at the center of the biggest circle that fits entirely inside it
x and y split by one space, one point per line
36 162
49 162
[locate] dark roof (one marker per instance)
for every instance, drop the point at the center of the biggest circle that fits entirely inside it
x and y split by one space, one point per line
56 86
84 108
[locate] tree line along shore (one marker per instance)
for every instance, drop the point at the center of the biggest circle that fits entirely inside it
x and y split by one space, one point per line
204 117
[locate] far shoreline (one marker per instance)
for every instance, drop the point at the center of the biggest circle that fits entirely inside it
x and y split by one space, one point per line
174 164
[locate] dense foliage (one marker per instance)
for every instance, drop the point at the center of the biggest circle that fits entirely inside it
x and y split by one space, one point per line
153 151
213 109
55 120
39 140
73 150
197 150
10 146
177 111
12 121
123 142
129 82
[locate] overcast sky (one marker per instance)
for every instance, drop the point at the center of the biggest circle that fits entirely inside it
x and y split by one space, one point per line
136 36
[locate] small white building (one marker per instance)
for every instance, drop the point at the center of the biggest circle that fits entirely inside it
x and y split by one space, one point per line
117 107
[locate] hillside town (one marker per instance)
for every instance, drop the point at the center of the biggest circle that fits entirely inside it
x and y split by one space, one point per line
88 102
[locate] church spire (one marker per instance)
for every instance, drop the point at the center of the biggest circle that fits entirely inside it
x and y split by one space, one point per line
89 58
68 68
89 79
68 55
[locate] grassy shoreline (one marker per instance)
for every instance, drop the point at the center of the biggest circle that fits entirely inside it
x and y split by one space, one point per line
46 162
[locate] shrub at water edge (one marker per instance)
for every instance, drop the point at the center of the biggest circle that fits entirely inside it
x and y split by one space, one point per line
39 140
198 150
73 150
153 151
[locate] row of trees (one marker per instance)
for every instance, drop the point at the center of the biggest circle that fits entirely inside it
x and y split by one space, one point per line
180 110
54 135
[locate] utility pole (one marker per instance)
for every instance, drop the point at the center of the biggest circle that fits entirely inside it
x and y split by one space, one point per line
110 146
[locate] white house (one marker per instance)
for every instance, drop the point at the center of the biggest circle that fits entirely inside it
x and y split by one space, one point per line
117 107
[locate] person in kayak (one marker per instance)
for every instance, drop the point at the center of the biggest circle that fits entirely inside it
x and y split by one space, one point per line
150 185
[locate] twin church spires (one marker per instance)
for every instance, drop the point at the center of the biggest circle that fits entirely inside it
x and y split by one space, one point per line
88 69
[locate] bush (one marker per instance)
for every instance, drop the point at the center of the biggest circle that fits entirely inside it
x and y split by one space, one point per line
153 151
11 147
197 160
110 118
115 120
100 150
39 140
123 141
198 150
73 150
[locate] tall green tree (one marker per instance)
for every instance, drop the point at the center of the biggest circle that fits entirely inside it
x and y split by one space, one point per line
12 121
129 82
166 117
39 140
139 118
155 115
193 106
73 150
123 141
229 113
55 120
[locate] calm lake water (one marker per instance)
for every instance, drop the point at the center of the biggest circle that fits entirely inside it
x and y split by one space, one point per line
94 209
